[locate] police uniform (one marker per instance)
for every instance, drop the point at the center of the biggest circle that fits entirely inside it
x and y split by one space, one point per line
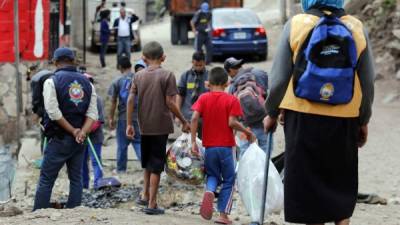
67 95
321 161
202 21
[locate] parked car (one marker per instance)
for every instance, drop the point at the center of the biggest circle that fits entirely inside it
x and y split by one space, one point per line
114 14
238 31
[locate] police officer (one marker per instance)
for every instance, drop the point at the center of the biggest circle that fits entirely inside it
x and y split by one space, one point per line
201 26
70 103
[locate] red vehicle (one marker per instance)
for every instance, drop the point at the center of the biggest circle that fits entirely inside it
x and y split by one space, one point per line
182 12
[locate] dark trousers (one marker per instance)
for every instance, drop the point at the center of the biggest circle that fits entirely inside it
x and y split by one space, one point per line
57 153
203 38
103 51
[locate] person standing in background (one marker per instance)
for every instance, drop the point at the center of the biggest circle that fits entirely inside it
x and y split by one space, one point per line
104 35
201 27
124 34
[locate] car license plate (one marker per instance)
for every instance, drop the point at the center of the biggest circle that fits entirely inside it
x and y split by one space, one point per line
239 35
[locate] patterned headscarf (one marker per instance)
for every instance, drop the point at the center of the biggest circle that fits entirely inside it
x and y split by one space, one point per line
307 4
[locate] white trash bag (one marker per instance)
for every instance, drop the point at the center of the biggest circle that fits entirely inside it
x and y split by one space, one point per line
250 177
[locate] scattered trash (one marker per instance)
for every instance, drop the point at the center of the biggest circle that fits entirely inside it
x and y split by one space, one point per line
108 197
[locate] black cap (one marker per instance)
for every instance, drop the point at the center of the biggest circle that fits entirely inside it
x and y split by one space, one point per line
232 63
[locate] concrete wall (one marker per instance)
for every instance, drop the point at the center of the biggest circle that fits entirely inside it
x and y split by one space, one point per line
8 102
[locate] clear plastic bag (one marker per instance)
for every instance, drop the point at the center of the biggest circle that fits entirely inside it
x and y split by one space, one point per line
250 177
182 163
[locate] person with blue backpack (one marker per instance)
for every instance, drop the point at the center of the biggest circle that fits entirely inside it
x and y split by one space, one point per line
322 80
119 92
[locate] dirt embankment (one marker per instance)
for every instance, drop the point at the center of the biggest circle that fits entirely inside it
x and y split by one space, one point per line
382 18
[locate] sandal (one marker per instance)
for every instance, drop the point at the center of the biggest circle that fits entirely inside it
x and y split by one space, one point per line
206 209
221 220
154 211
141 202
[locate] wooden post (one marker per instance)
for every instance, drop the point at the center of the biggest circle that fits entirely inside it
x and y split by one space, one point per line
84 29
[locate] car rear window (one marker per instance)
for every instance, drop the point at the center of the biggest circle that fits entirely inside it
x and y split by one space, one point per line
235 18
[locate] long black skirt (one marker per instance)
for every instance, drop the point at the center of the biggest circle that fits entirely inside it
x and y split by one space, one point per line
321 168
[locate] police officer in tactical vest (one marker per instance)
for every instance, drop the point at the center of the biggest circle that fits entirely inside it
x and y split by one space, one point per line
201 26
70 104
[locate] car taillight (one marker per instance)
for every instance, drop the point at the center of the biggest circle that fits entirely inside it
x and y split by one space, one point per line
260 31
219 32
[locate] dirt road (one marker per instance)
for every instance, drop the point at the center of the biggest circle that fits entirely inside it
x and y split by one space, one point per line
379 166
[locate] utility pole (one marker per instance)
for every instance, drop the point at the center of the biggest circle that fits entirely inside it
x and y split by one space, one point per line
283 11
84 29
18 75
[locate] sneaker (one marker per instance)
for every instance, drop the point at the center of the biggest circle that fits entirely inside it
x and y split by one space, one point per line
206 209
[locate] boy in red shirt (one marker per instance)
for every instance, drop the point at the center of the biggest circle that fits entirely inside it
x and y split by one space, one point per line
219 111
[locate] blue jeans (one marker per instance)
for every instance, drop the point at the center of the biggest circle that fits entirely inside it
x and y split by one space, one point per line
96 169
123 47
103 51
220 170
123 143
261 139
57 153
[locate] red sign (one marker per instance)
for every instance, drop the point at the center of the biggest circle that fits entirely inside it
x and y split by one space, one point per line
33 29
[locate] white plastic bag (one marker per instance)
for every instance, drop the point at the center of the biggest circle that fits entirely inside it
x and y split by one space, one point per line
250 177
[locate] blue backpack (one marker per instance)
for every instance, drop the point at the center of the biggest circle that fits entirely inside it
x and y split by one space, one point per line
325 67
124 90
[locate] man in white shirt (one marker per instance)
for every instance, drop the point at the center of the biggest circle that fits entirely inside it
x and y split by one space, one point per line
124 33
70 102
